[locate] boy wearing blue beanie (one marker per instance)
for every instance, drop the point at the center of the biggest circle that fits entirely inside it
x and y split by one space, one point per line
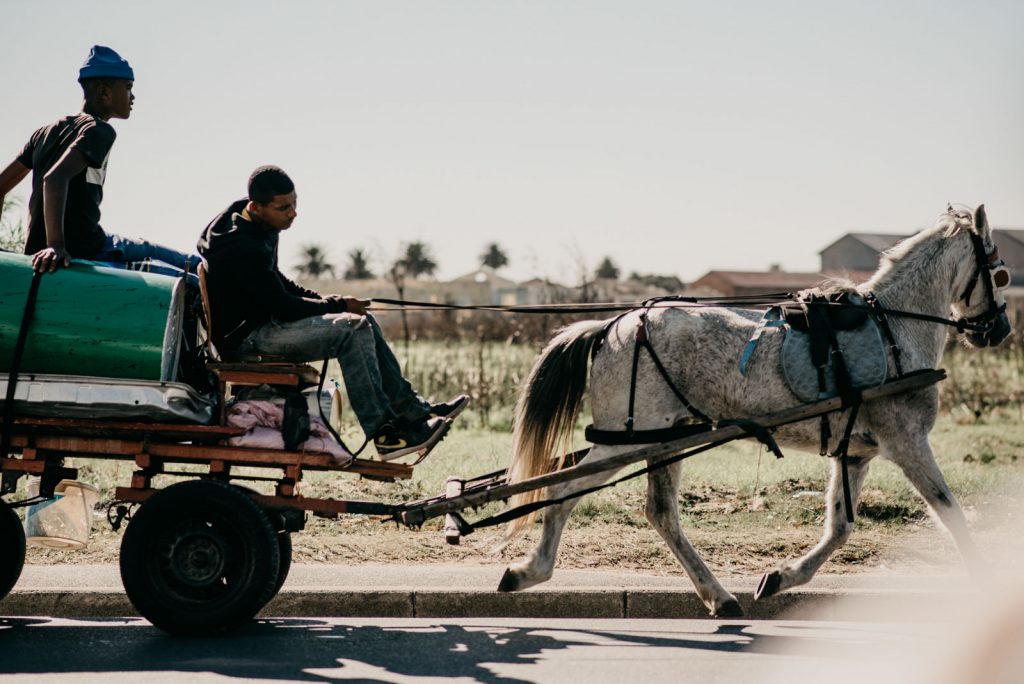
68 161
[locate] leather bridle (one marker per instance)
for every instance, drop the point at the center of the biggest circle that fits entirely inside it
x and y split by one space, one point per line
994 274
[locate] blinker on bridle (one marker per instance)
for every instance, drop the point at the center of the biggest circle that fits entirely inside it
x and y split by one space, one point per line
998 278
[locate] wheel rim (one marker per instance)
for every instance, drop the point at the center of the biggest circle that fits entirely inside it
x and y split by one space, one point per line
201 560
196 557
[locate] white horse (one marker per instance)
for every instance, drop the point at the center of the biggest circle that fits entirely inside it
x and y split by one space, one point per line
940 270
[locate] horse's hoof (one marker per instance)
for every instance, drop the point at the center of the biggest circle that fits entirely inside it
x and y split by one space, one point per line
769 585
509 581
729 609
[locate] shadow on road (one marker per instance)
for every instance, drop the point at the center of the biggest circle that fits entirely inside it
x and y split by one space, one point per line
317 650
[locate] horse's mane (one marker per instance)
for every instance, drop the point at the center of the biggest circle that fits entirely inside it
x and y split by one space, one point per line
836 285
911 253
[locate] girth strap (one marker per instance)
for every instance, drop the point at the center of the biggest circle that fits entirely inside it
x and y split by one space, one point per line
841 454
877 311
618 437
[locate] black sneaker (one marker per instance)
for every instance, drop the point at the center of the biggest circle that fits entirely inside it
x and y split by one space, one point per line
393 441
449 409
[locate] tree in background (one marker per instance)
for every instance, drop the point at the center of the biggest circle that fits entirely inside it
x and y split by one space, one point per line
12 232
358 266
607 269
494 256
665 282
417 260
314 262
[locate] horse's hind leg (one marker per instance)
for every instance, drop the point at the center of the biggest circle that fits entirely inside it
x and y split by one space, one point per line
837 531
539 565
662 512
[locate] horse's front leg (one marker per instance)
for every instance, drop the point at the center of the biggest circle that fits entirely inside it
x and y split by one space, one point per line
923 472
837 531
662 511
539 564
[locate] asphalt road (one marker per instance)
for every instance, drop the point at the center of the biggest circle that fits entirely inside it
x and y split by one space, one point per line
499 651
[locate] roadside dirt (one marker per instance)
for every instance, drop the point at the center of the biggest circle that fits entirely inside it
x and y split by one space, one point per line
729 551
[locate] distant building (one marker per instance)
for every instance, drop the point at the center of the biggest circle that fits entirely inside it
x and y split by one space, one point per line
480 287
1011 250
857 252
745 283
540 291
862 252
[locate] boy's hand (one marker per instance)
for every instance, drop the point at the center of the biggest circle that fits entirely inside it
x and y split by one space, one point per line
354 305
50 259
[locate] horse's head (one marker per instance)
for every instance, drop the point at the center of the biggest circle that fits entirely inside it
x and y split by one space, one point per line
980 279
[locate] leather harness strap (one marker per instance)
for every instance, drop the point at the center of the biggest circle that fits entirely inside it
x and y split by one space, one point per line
643 341
878 313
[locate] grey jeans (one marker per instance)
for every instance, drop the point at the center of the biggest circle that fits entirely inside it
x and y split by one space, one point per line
373 377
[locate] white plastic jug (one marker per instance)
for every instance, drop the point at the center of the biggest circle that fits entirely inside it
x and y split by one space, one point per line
65 521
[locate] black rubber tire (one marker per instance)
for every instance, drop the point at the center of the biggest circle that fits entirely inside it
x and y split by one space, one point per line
199 558
12 548
284 545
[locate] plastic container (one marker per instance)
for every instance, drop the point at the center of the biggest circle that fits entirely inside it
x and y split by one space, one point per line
328 401
93 320
65 521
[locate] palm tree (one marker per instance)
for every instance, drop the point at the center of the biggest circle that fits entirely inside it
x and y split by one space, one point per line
314 262
358 268
494 256
607 269
417 260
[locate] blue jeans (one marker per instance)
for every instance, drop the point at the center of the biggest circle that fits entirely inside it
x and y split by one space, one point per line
122 249
141 255
373 377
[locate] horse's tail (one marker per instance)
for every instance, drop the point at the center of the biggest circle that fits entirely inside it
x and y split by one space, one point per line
548 406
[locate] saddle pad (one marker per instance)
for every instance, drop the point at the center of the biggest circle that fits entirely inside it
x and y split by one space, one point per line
863 350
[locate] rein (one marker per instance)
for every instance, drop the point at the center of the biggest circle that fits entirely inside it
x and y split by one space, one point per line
980 324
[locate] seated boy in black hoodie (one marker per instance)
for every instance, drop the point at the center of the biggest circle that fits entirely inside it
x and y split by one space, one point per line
257 310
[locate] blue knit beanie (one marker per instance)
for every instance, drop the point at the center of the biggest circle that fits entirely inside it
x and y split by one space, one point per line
103 62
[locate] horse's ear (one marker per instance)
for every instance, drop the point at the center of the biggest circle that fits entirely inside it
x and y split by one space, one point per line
981 220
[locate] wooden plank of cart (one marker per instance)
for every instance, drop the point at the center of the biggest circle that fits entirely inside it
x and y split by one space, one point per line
204 555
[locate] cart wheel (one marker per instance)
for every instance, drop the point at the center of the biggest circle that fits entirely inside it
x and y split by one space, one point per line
284 545
199 558
12 540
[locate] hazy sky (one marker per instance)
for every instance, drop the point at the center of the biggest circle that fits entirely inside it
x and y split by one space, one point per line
676 137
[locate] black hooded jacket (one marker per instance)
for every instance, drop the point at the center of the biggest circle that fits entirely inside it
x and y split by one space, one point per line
246 287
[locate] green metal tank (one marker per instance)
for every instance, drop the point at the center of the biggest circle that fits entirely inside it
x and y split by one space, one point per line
92 320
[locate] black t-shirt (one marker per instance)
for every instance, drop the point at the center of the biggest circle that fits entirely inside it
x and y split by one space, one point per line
93 138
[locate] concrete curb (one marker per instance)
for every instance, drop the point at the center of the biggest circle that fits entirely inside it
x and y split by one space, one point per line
585 603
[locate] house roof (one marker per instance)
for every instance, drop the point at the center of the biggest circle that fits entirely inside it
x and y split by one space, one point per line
484 274
878 242
777 280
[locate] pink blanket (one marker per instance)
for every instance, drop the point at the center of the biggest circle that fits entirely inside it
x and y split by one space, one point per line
262 420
